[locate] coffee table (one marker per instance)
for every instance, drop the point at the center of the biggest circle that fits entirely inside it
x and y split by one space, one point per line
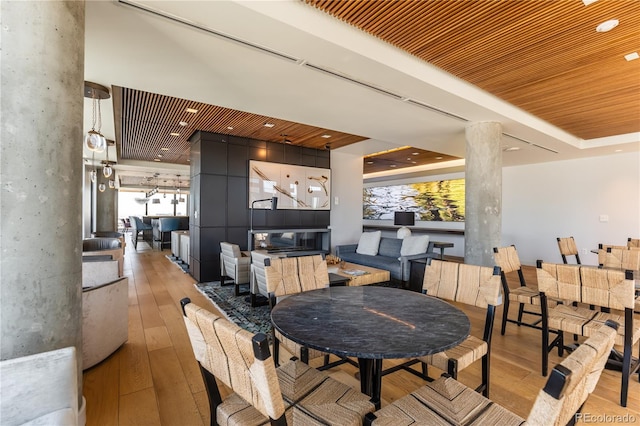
371 276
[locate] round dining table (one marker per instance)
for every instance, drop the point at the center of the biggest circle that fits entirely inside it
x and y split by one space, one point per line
370 323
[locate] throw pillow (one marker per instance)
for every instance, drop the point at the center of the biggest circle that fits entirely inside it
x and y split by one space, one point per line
414 245
369 242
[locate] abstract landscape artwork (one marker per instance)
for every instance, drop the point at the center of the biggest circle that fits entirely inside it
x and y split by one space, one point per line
297 187
440 201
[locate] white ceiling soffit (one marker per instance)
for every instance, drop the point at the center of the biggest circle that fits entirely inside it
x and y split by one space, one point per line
290 61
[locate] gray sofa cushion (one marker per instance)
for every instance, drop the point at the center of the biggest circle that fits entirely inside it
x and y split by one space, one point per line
390 247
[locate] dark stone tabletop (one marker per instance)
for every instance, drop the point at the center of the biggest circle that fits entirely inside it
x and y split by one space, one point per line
370 322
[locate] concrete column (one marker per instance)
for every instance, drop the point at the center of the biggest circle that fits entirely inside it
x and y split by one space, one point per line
483 192
42 80
106 206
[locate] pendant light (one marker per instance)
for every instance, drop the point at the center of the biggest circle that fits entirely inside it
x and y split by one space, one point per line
107 170
94 140
112 183
102 187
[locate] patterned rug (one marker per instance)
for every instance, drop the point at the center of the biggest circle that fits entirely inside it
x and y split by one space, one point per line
237 309
179 263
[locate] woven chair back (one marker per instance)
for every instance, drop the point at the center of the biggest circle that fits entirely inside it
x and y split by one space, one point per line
633 243
620 258
474 285
507 259
567 246
291 275
557 406
229 353
586 284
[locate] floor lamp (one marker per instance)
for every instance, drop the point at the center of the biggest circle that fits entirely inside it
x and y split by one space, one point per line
404 219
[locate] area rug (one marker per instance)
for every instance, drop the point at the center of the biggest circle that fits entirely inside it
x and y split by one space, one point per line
179 263
237 309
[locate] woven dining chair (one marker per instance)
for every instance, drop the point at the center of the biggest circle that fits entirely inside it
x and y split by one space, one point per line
619 258
568 247
448 402
508 260
633 242
606 288
477 286
291 275
291 394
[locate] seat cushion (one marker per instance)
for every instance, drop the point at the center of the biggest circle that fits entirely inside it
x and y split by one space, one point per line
369 243
414 245
466 353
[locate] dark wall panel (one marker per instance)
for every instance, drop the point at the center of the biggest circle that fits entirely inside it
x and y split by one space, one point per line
219 193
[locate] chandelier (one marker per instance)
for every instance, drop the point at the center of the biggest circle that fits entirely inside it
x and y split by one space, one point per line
94 140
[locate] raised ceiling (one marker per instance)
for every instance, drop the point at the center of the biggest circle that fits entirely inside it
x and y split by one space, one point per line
292 62
542 56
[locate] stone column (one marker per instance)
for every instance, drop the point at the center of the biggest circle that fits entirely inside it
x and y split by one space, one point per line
483 192
42 81
106 206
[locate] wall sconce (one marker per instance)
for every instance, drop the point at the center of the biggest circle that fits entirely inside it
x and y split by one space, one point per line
274 206
404 219
94 140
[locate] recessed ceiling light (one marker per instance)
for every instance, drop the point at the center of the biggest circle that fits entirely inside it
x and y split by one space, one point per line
156 159
326 136
164 149
632 56
174 134
415 153
588 2
512 148
183 123
618 150
414 162
191 110
438 158
269 124
607 25
392 165
160 155
369 162
229 128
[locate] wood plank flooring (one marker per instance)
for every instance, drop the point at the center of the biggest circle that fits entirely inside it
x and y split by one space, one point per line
153 379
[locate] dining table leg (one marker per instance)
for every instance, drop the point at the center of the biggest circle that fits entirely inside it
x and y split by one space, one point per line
371 378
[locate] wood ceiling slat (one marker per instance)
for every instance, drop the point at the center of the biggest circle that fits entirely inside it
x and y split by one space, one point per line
542 56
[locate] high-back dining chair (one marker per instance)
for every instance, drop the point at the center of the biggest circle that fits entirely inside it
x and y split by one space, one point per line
508 261
291 275
633 242
234 264
473 285
291 394
606 288
448 402
139 228
619 258
568 247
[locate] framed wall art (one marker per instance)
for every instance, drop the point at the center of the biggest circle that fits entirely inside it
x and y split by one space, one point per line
297 187
439 201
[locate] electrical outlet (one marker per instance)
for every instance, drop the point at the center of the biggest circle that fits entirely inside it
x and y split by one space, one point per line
604 218
585 251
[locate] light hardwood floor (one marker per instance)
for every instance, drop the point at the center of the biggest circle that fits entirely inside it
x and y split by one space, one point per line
153 379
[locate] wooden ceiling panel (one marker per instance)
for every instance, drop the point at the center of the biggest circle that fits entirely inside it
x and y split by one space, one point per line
150 130
542 56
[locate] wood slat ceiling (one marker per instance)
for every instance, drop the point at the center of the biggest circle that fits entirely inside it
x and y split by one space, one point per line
145 122
542 56
401 158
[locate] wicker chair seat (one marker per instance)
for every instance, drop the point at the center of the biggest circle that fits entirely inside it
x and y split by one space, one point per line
569 318
310 397
445 402
602 317
524 294
465 354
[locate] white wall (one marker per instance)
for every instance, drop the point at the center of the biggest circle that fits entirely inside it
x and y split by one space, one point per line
566 198
346 188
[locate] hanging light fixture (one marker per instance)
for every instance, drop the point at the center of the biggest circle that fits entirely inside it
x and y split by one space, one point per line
94 140
102 187
112 183
107 170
